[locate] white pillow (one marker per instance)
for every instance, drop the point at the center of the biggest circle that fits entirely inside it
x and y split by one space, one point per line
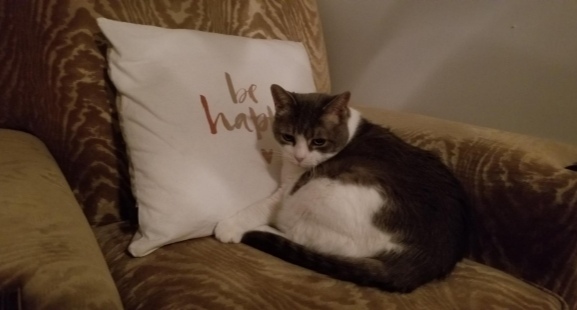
179 88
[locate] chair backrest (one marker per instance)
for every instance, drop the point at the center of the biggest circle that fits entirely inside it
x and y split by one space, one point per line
54 85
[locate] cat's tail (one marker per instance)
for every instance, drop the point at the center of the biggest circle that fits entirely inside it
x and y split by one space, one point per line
390 274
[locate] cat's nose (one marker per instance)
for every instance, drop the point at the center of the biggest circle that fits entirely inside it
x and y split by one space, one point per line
299 159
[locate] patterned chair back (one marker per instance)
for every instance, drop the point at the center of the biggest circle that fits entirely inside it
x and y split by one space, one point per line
54 83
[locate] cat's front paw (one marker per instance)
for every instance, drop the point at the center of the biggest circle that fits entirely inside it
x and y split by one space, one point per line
229 231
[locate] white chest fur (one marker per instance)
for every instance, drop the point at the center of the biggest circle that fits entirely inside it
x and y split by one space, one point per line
331 217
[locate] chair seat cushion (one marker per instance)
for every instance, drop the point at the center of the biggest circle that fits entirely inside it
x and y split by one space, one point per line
212 275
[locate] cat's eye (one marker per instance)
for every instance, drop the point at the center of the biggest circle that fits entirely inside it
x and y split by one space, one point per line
318 142
288 138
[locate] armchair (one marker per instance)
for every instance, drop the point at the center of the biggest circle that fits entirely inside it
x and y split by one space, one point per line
67 212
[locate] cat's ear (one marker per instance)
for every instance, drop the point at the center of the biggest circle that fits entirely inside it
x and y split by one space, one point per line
282 99
337 109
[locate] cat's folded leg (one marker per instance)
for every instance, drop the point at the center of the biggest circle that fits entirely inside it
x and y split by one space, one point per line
258 214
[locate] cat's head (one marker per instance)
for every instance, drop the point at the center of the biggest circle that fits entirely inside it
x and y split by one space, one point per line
312 127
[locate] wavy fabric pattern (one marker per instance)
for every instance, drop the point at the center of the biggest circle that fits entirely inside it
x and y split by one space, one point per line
54 85
206 274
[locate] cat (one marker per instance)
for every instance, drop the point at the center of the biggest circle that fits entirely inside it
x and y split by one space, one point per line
355 202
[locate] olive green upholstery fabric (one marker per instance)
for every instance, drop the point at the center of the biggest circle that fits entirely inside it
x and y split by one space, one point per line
46 245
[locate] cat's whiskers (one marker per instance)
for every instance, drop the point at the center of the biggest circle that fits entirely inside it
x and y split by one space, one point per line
287 157
277 154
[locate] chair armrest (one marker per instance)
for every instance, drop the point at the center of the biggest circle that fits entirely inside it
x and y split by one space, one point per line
524 199
48 249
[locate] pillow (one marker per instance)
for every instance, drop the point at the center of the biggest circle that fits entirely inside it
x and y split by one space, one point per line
195 111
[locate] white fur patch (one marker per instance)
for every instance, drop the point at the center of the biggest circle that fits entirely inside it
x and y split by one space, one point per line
331 217
353 122
301 155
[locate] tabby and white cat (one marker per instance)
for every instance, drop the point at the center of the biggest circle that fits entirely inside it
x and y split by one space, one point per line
355 201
